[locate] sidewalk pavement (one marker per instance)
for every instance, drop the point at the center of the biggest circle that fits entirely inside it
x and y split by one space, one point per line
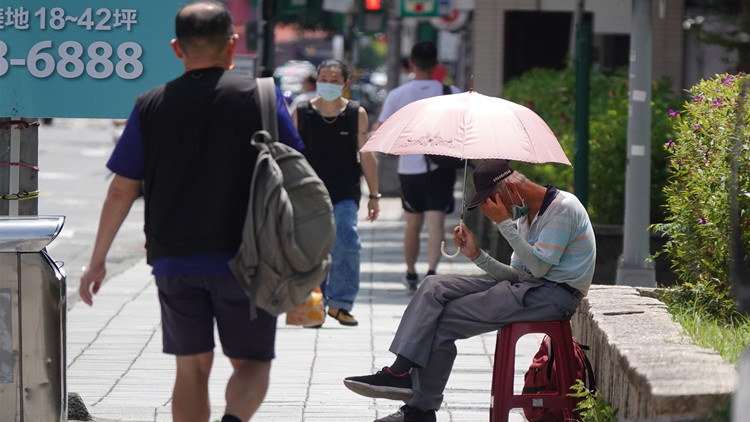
116 364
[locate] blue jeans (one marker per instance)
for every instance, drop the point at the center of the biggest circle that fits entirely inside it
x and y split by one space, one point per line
342 284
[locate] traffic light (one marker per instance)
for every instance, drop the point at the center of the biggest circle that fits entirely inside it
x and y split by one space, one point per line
372 5
373 20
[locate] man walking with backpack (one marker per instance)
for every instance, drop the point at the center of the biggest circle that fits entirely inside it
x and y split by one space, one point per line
334 129
426 188
550 270
189 142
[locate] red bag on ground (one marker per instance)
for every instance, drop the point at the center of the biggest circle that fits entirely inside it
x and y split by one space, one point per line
542 378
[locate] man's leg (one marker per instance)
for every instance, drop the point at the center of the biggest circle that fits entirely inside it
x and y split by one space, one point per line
248 344
414 223
435 237
446 309
190 395
416 332
420 321
479 313
246 387
342 284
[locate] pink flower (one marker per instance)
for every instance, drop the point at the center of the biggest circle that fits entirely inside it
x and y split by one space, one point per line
673 113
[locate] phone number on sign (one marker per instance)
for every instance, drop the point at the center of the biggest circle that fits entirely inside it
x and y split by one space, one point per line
100 60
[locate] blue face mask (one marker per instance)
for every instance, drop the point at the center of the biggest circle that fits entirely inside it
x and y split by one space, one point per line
329 91
518 212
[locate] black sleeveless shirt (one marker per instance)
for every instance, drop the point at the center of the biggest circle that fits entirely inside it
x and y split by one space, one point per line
332 149
198 161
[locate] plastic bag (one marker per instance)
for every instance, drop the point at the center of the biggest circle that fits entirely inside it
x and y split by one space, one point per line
310 313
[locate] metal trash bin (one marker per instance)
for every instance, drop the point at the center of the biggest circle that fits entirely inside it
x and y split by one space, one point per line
32 322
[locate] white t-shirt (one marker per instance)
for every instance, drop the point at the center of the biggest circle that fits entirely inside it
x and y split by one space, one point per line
304 96
400 96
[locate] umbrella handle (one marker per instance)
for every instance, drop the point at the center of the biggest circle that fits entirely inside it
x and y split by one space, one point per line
458 250
445 254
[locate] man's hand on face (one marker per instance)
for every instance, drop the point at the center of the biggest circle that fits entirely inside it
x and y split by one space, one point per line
494 208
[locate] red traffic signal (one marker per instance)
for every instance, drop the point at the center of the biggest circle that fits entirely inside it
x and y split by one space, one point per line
372 4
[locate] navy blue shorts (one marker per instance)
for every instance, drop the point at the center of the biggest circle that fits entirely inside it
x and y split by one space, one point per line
431 191
189 304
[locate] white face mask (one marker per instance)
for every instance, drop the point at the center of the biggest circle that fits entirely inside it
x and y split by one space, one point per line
329 91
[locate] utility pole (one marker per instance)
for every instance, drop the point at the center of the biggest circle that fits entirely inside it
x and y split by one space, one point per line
740 273
266 42
19 174
583 88
393 32
351 36
634 266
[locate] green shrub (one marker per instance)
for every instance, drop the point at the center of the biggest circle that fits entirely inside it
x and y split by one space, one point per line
592 407
551 94
697 194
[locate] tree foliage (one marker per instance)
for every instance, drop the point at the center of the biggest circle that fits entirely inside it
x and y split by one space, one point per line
551 94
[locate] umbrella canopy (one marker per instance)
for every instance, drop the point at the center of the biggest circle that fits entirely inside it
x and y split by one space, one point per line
468 125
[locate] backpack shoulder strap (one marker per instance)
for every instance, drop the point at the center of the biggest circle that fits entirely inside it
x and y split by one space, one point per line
588 370
267 94
551 356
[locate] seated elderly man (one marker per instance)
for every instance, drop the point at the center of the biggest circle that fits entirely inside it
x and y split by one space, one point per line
550 270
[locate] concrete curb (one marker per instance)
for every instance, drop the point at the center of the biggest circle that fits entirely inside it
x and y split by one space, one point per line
644 364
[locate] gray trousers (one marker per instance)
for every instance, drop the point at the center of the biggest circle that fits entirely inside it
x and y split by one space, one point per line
446 308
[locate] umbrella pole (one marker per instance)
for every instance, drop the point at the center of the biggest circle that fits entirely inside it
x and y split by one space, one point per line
461 220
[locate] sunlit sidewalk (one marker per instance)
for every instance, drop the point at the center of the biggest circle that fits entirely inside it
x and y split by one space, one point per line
116 365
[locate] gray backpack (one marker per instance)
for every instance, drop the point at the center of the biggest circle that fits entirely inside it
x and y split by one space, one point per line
289 228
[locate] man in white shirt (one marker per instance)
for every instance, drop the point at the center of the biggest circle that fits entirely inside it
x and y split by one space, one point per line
309 91
426 188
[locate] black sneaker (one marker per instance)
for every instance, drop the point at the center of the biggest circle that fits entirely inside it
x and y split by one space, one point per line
411 282
429 273
382 385
410 414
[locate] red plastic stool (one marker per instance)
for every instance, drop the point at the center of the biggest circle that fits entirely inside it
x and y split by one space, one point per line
503 398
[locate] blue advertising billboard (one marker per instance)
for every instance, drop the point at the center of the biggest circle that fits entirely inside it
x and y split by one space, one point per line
83 58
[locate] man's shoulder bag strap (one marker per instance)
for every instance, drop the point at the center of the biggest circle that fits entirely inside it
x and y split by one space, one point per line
267 94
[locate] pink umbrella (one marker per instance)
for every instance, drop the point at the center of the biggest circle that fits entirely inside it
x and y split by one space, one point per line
468 125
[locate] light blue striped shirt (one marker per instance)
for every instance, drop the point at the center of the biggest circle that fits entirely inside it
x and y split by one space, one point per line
563 237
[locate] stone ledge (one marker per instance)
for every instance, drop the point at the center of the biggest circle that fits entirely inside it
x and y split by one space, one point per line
643 363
